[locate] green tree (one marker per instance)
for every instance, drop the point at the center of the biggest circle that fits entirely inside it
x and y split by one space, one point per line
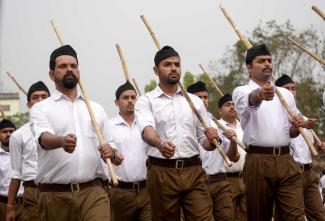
19 119
149 87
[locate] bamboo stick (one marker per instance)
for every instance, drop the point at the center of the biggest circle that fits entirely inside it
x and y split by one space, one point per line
125 69
234 138
204 124
218 147
322 62
277 92
136 86
92 116
318 11
212 80
16 82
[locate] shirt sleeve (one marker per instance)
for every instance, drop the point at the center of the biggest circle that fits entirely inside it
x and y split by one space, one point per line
108 133
143 113
241 100
39 122
16 153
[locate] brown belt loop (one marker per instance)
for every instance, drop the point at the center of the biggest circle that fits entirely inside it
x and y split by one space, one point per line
306 167
71 187
175 163
275 151
217 177
30 183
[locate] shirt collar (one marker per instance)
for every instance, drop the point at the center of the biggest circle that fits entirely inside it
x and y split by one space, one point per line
57 95
120 120
253 85
157 92
2 151
228 124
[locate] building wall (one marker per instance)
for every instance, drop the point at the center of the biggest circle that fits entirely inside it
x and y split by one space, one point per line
10 106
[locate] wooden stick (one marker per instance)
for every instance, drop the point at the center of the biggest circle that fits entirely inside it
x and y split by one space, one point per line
92 117
318 11
16 82
215 142
317 140
212 80
234 138
322 62
277 92
125 69
204 124
239 34
150 31
56 32
136 86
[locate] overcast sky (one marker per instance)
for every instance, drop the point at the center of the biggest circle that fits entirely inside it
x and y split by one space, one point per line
197 29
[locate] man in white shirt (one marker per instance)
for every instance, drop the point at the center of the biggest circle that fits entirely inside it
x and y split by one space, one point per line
213 164
129 200
270 173
312 199
228 118
70 168
6 129
23 159
168 125
322 186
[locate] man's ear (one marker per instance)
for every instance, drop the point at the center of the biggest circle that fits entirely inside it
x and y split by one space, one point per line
155 69
51 74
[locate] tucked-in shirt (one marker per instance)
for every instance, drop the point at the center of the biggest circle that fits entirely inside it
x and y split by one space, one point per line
59 116
4 174
239 165
267 124
129 143
23 154
173 120
299 148
212 161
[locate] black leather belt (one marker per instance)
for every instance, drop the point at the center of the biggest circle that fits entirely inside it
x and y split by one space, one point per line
217 177
235 174
276 151
134 186
175 163
4 199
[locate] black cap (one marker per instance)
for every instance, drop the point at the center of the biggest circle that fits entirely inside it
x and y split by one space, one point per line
163 53
124 87
63 50
196 87
38 86
256 51
224 99
6 124
284 79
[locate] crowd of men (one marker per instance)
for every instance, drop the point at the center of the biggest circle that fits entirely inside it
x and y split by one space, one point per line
54 167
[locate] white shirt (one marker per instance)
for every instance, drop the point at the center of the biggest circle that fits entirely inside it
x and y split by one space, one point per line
239 165
4 174
299 148
129 143
212 161
268 124
23 154
59 116
173 120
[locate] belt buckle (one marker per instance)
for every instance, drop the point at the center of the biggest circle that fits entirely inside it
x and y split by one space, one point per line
276 153
19 200
179 164
75 188
136 186
241 174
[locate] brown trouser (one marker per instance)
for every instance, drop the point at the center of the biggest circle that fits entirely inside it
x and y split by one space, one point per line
220 192
269 179
238 198
91 203
30 204
130 205
18 211
171 188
